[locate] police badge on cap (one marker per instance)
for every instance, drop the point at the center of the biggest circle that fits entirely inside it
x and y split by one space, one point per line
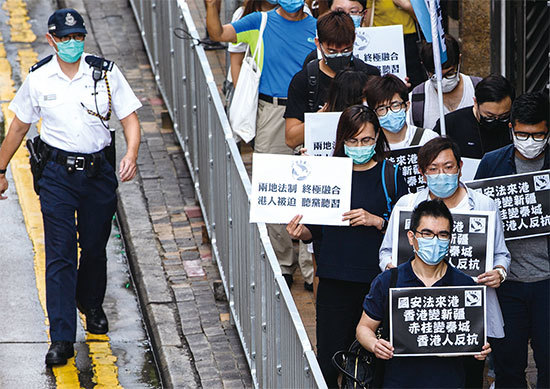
66 21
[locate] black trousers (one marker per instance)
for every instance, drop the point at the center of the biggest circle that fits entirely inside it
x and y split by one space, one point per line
339 308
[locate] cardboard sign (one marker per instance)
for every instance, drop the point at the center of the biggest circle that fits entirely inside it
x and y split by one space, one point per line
407 159
382 47
283 186
523 200
320 132
472 240
438 321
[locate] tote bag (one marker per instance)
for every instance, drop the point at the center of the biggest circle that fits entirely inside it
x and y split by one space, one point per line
243 109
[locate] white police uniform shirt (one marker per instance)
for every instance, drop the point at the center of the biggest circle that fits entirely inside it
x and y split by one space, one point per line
49 94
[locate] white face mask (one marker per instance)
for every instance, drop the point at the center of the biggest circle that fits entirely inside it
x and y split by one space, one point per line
530 148
447 84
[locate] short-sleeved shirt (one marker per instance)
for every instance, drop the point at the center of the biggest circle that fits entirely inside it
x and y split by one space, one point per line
351 253
427 136
286 45
416 372
62 104
386 13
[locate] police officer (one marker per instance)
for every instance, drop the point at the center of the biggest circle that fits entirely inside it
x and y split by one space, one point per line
74 93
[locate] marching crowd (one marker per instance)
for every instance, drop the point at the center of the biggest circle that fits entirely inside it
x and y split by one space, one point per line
307 65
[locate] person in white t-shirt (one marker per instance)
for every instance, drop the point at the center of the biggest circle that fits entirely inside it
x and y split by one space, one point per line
388 97
458 89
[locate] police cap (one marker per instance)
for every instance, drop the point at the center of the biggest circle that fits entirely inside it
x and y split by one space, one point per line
66 21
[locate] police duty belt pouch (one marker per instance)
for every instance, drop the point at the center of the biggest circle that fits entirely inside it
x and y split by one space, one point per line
37 160
244 106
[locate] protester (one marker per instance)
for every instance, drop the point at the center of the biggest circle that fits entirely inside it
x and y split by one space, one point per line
440 164
237 50
392 12
308 89
348 257
484 126
288 37
458 88
524 297
348 88
430 220
388 97
355 9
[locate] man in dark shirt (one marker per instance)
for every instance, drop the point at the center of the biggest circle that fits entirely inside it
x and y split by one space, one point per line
336 35
430 220
524 297
484 126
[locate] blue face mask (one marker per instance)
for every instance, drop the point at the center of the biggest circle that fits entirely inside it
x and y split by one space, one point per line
70 51
393 121
272 1
357 19
291 6
432 251
360 154
442 185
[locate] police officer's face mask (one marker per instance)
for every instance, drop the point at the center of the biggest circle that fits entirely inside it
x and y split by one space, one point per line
70 51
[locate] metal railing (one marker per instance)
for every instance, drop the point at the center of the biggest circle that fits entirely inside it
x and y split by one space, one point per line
272 334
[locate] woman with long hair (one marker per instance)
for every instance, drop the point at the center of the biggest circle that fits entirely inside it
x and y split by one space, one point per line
346 89
348 256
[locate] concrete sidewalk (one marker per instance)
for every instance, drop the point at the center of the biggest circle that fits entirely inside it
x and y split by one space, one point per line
179 287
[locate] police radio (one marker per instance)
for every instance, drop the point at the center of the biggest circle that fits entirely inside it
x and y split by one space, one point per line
100 67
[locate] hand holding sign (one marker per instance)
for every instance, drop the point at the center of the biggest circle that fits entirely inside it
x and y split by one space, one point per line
360 217
296 230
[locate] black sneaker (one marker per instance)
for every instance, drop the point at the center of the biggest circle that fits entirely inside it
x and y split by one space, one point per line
59 352
308 286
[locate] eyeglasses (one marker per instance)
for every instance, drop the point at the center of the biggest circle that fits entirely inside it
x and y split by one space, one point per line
366 141
491 119
331 53
448 75
66 38
429 234
447 169
395 106
537 136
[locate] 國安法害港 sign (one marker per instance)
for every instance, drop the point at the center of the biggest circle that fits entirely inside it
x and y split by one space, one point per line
283 186
432 321
472 241
523 201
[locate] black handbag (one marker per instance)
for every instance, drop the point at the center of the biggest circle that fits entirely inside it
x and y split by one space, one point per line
359 367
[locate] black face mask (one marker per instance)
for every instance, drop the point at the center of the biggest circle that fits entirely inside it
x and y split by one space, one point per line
338 62
493 125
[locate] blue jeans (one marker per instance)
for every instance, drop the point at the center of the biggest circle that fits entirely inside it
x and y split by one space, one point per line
526 311
93 200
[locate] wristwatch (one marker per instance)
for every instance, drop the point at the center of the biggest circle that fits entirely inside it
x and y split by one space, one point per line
384 224
3 171
502 273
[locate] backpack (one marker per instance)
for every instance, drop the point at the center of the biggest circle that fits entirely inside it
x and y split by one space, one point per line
418 98
389 184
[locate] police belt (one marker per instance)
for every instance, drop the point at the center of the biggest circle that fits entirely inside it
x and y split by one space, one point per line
91 163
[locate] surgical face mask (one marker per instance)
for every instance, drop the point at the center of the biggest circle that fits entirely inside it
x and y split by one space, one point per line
447 84
275 2
360 154
442 185
337 61
530 148
432 251
70 51
291 6
393 121
357 19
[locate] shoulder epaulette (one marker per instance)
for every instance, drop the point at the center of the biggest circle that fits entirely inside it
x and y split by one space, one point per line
41 63
99 63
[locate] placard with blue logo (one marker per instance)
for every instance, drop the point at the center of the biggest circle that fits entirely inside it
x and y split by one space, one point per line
442 321
523 201
471 248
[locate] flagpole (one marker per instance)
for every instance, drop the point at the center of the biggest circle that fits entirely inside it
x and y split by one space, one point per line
437 63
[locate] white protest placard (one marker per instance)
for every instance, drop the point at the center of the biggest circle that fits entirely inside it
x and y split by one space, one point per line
283 186
382 47
320 132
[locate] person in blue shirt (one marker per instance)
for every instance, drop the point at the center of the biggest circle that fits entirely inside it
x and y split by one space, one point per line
525 296
430 235
347 258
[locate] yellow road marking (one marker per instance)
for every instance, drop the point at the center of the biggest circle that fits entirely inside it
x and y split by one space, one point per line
103 361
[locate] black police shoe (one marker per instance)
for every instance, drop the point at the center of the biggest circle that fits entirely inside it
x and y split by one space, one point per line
59 352
96 321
